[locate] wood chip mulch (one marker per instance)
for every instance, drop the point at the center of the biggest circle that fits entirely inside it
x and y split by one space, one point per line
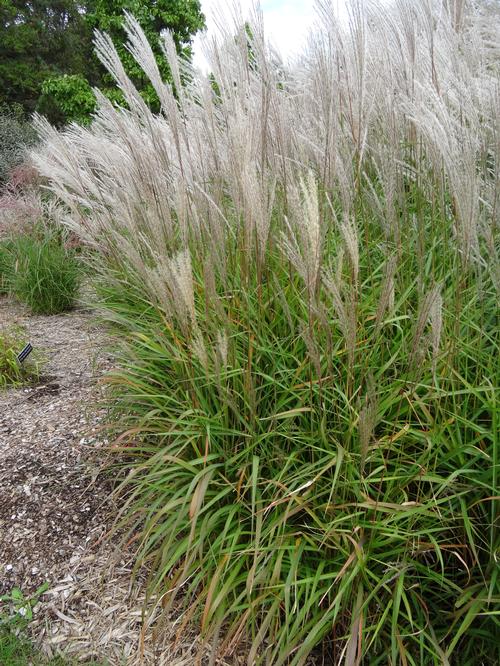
49 502
56 508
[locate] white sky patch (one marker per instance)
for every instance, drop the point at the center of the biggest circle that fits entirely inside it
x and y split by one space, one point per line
287 23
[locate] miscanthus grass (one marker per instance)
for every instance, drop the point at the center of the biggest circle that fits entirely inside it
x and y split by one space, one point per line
301 268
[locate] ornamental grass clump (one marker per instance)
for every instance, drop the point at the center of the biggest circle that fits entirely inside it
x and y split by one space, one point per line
46 275
39 260
301 268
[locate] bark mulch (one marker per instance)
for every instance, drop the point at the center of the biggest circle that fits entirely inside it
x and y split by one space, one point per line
56 508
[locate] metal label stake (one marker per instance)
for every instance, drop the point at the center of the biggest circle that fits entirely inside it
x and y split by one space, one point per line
22 356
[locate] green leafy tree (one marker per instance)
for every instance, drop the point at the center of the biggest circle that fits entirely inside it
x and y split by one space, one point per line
67 98
182 17
39 39
46 51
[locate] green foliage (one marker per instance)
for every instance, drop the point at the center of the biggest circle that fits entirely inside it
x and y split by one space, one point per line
67 98
46 52
14 650
182 17
47 275
20 607
38 40
12 340
16 135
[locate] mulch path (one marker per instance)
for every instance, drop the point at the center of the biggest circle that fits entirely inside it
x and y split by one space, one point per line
56 510
51 501
56 507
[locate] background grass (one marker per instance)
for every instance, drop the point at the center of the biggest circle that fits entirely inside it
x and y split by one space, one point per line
46 276
7 262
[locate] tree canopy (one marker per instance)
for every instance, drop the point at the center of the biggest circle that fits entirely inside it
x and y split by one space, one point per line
39 39
46 51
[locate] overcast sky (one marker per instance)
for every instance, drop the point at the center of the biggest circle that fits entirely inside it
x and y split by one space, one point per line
286 22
